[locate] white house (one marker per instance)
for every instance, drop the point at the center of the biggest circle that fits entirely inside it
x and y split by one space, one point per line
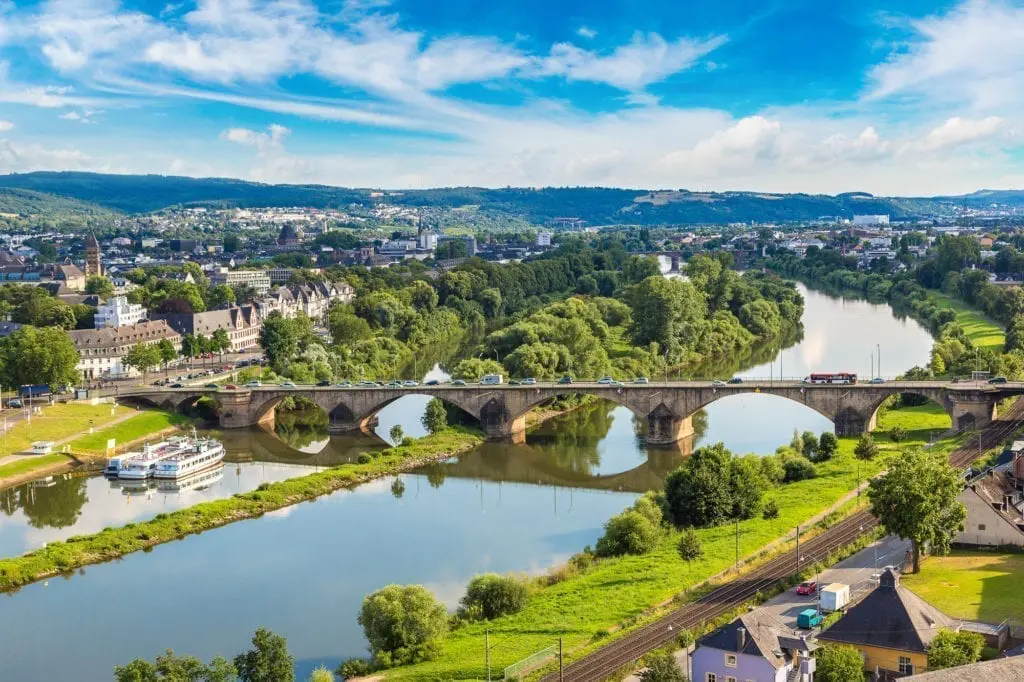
101 351
118 312
994 506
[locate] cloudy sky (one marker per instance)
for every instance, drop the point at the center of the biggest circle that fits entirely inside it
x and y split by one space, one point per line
890 97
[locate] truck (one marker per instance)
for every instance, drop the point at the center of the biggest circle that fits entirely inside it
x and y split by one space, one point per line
491 379
834 597
34 391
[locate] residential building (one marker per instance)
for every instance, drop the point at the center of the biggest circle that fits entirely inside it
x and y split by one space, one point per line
994 505
257 279
891 627
68 274
543 238
997 670
282 275
118 312
756 647
101 351
93 266
861 220
242 324
289 235
311 299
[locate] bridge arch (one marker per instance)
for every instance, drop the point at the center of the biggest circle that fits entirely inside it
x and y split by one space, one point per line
960 422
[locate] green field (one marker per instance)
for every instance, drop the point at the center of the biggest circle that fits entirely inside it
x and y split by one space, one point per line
585 607
57 423
972 585
982 331
921 421
131 429
30 464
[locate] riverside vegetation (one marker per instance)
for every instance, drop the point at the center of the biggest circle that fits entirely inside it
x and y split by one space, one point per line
637 566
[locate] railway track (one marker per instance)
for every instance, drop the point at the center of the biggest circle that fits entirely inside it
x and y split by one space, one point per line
607 660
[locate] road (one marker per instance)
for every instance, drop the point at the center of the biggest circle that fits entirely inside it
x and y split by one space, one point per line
604 662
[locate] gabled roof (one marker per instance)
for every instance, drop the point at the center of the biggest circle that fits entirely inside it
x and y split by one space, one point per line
891 617
994 487
766 637
997 670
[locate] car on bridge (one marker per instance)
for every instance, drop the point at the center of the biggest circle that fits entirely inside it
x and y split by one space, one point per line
529 381
605 381
287 384
178 385
877 380
565 380
736 380
458 382
432 382
364 382
641 380
231 387
343 384
324 382
997 380
211 386
255 383
717 382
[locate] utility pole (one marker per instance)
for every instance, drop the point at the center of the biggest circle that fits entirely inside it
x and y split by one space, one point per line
879 347
561 663
798 549
487 652
737 545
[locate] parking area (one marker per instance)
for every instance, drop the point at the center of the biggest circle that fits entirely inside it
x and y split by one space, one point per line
857 571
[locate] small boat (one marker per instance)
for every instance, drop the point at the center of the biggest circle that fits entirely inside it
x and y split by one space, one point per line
200 454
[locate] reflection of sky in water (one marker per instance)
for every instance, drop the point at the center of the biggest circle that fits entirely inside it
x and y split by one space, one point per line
303 574
407 411
619 450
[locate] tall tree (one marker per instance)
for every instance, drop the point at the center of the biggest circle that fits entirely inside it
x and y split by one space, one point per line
221 341
31 355
865 448
435 416
143 357
167 352
916 499
100 286
267 661
838 664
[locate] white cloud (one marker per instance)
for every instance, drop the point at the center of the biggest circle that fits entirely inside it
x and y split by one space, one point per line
5 126
586 32
972 54
647 59
250 138
15 158
957 131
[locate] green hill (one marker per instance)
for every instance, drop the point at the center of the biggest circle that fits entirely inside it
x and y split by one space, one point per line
24 203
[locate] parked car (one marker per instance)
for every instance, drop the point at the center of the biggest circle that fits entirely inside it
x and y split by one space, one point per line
565 380
458 382
808 618
410 383
514 382
808 587
736 380
997 380
364 382
343 384
641 380
287 384
325 382
178 385
211 385
231 387
15 402
395 384
718 382
529 381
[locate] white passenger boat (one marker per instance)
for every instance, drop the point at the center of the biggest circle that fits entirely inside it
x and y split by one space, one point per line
140 465
201 480
199 455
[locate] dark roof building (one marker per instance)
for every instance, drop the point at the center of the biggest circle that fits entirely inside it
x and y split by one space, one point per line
755 646
242 324
289 235
997 670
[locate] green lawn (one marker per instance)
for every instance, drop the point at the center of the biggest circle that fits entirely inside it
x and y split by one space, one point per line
585 607
972 585
982 331
127 431
56 423
921 421
30 464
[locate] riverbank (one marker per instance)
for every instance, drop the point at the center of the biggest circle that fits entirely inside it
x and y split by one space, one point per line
112 543
983 332
584 607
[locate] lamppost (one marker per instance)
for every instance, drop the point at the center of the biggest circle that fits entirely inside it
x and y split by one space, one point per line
879 365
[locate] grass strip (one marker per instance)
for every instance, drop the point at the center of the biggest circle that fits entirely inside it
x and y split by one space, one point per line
591 607
132 429
983 332
111 543
31 463
56 423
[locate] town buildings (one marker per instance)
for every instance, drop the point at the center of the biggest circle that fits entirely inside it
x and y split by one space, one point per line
313 300
101 351
242 324
257 279
118 312
994 503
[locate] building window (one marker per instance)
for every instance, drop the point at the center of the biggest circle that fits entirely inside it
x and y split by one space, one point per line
906 667
712 677
981 526
730 678
730 660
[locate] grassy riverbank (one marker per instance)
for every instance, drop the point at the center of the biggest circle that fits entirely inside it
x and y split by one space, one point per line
595 605
982 331
112 543
143 424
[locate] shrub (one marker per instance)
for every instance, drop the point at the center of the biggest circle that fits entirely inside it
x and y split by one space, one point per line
661 667
771 510
838 664
897 434
492 596
649 506
689 547
685 639
364 458
828 444
403 624
866 448
627 533
798 469
950 649
772 470
355 667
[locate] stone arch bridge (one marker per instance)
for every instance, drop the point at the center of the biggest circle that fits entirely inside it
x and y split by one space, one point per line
667 406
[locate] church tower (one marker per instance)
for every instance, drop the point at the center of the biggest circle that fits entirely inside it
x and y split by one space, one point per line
92 256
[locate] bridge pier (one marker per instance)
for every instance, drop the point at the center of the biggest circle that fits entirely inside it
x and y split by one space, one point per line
235 410
665 428
675 263
973 412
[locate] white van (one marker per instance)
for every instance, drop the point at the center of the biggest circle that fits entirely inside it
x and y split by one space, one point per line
491 379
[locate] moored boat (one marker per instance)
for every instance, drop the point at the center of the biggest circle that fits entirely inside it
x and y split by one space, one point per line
140 465
200 454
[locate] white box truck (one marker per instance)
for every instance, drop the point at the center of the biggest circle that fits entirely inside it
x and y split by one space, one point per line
834 597
491 379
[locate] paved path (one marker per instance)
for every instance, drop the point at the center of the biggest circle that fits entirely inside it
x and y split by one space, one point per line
8 459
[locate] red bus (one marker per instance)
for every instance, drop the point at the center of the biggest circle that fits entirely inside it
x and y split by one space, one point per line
832 378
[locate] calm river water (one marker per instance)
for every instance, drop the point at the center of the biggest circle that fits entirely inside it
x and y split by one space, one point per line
303 571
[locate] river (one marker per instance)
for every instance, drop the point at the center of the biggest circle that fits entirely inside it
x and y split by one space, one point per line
303 571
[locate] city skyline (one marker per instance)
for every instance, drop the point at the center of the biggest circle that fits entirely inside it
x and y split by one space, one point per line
909 98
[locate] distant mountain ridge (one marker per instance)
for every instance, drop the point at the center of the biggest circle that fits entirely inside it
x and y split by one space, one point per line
596 205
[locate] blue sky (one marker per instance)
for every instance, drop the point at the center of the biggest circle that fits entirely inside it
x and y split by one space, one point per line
898 97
